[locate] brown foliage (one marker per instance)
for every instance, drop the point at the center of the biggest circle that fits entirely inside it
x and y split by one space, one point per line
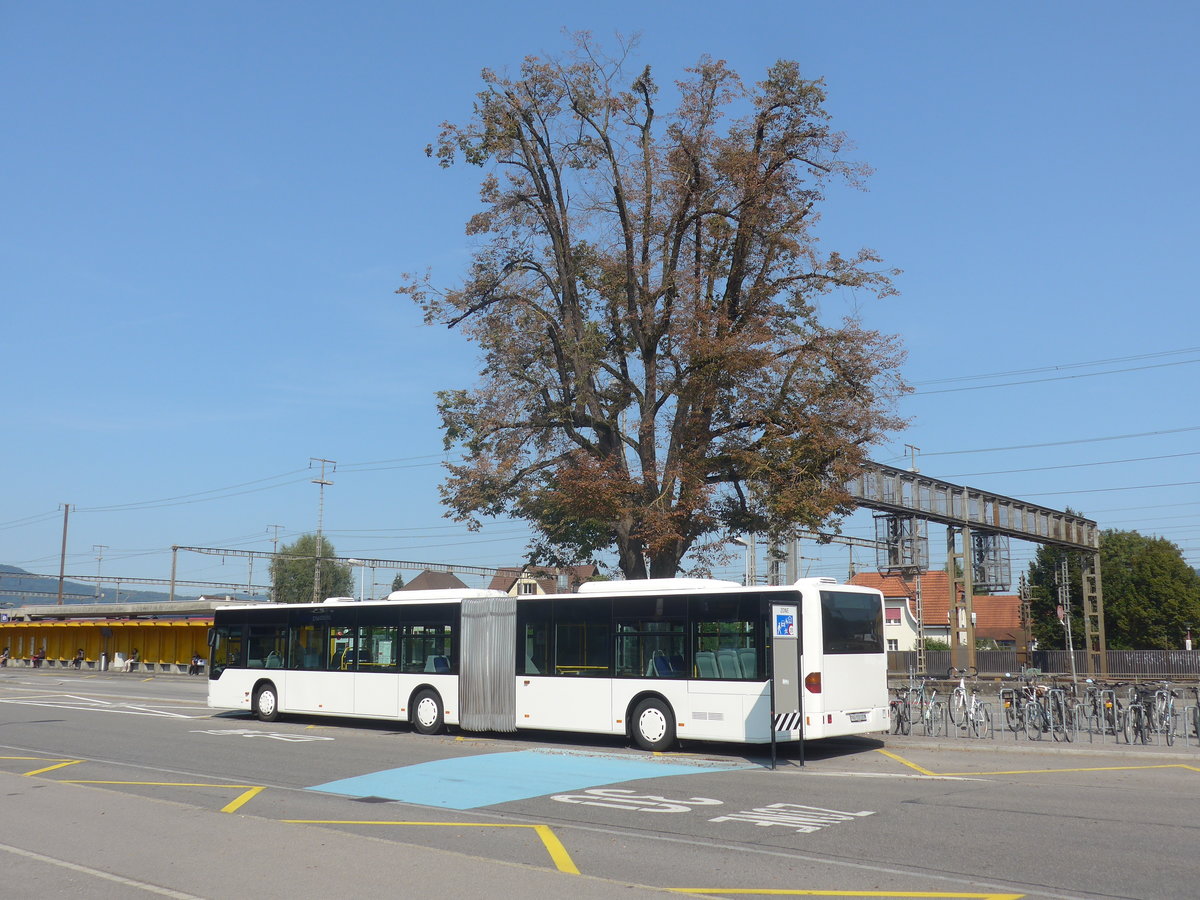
654 368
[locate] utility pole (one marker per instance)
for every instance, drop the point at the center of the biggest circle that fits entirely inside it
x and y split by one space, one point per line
99 560
1064 610
912 458
321 482
274 554
62 559
275 538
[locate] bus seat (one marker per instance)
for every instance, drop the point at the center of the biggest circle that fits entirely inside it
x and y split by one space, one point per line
274 661
662 666
437 664
706 664
748 657
677 669
654 668
727 662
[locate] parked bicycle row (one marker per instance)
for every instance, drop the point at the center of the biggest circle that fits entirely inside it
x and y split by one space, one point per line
1039 708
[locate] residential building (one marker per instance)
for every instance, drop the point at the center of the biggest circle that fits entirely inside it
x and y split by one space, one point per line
997 616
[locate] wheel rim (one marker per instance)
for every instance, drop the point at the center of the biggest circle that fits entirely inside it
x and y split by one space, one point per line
427 712
652 724
266 702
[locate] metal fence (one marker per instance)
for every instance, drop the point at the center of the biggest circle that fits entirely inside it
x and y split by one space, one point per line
1132 664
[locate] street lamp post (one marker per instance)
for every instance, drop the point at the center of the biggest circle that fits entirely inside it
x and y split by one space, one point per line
750 544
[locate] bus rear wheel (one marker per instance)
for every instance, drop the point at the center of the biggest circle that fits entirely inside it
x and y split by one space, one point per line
653 725
427 714
266 703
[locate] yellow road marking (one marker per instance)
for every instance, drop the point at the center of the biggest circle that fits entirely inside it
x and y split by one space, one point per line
240 801
1081 769
249 792
923 771
60 765
796 892
156 783
900 759
558 853
29 758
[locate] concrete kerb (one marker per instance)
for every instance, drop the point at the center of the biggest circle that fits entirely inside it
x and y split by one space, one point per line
1184 754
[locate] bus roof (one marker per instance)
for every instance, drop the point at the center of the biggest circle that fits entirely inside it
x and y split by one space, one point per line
656 586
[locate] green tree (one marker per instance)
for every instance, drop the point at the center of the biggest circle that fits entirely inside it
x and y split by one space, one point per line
655 370
1151 595
398 582
292 572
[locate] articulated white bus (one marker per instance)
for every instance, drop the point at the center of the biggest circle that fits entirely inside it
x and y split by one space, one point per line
655 660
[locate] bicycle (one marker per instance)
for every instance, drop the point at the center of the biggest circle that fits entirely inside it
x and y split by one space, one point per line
1195 712
900 712
1049 712
958 697
1014 700
1138 715
929 711
1162 718
969 712
1101 704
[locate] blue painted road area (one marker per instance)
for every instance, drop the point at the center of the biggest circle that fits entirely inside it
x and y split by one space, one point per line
470 782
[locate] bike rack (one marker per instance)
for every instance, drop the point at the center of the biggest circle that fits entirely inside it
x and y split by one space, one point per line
936 719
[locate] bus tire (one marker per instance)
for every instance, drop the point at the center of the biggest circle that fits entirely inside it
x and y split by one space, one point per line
427 714
653 725
266 702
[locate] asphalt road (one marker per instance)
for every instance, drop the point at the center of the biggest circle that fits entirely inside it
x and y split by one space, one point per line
127 785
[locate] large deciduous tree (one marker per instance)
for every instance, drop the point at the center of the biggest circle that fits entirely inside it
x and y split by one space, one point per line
645 294
1151 595
293 570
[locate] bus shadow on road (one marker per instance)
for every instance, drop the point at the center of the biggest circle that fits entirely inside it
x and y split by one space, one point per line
789 754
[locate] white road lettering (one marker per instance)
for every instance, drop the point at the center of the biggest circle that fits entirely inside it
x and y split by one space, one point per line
803 819
93 705
273 735
618 798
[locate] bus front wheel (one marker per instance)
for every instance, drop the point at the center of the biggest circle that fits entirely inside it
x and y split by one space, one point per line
427 714
266 703
653 725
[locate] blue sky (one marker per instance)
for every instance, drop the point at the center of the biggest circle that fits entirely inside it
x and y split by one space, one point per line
207 208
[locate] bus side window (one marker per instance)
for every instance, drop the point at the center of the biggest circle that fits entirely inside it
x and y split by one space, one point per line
307 647
726 638
533 637
582 643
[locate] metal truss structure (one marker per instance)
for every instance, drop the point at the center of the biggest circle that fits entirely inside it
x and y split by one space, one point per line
978 527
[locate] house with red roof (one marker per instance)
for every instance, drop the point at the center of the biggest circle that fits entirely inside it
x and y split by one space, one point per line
997 616
534 580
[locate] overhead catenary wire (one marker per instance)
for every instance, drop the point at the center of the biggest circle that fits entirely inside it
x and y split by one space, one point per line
1061 366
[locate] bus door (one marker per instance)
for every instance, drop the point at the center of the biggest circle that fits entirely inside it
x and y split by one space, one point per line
786 669
487 665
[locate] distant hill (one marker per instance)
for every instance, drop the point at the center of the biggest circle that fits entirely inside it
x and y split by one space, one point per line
19 588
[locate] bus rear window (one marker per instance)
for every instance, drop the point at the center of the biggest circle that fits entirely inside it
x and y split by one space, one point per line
853 622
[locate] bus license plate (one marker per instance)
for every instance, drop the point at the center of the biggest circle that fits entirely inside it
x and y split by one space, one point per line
858 717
